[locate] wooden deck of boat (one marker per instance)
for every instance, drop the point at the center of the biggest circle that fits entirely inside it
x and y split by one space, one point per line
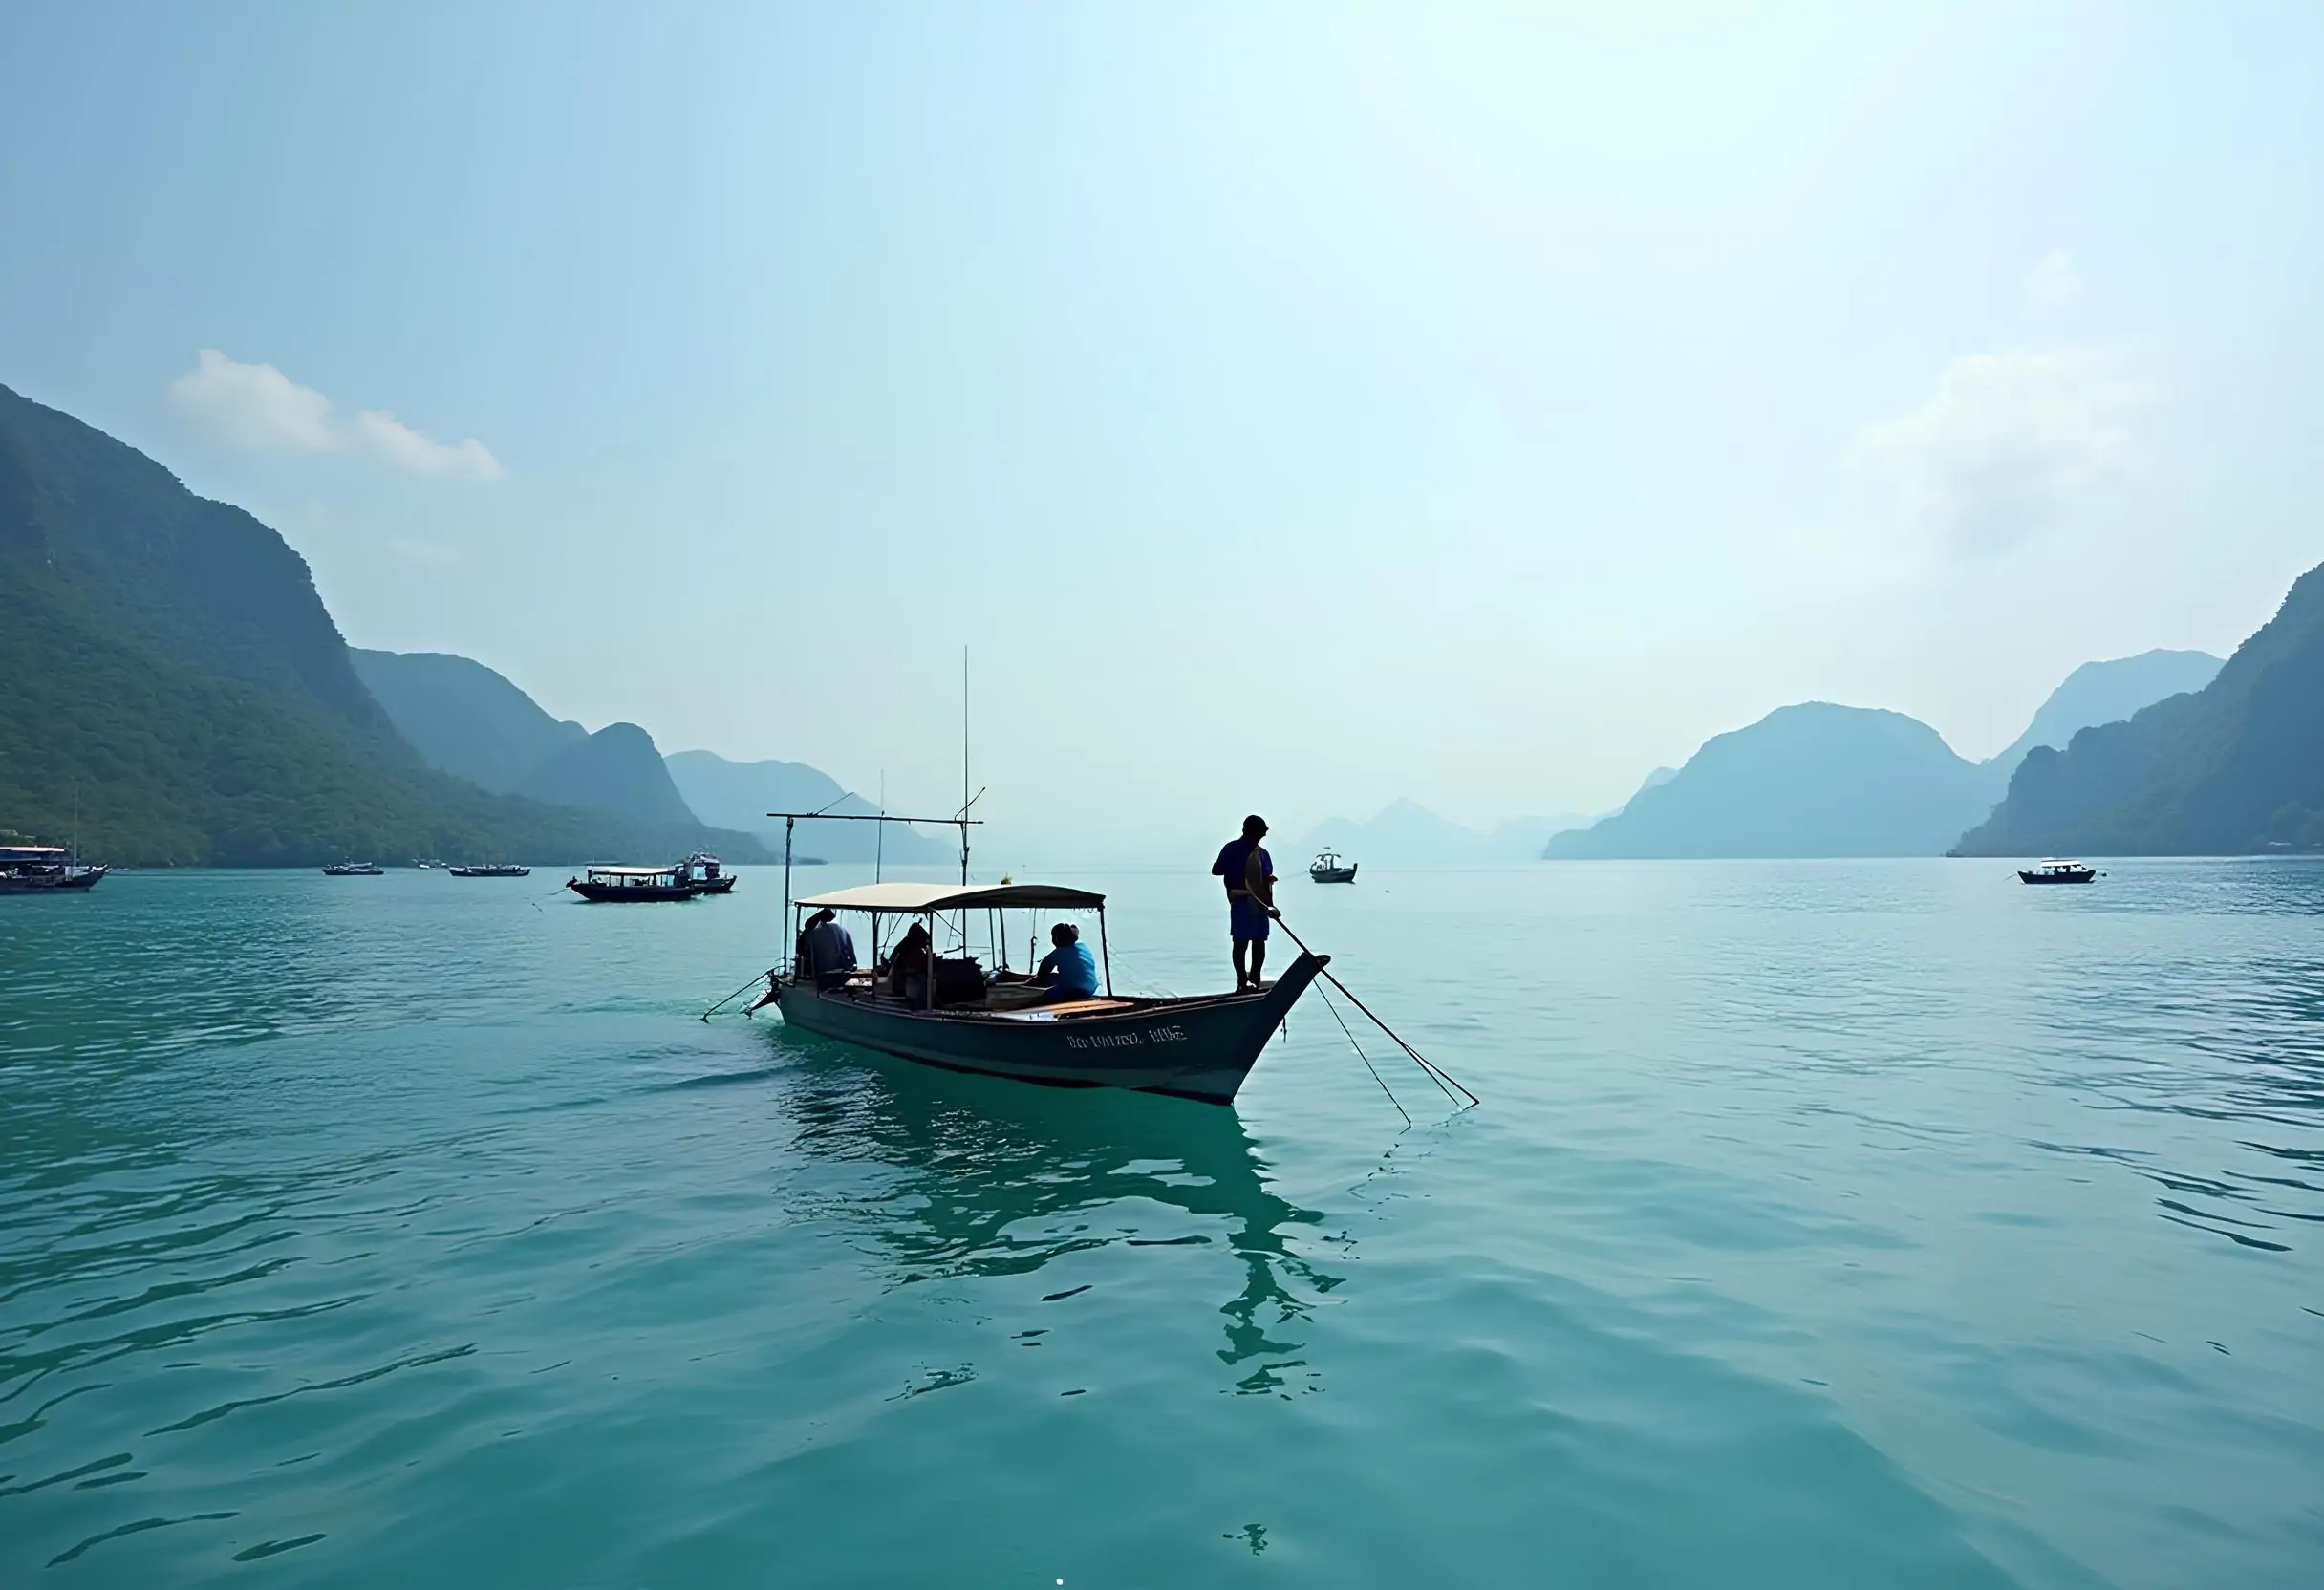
1098 1006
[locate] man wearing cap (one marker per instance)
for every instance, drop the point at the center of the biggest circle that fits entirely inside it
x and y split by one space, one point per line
1249 875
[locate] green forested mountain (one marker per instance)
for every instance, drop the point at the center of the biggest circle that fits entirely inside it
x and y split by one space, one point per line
740 794
2235 767
464 719
616 770
1819 779
2105 693
165 661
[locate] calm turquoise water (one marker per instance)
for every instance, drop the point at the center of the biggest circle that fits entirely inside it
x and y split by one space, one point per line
1825 1224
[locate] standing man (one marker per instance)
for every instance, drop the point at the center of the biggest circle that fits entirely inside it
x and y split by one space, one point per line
1249 873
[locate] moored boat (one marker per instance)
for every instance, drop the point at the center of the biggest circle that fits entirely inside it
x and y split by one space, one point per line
709 875
44 870
1003 1025
490 869
696 875
355 869
2057 871
1329 868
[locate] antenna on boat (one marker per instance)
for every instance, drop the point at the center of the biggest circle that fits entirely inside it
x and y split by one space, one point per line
966 800
879 852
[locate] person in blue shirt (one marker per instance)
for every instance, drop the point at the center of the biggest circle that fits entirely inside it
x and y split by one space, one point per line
1069 970
1249 875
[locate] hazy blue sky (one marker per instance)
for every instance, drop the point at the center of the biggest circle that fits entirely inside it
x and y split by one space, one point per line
1294 406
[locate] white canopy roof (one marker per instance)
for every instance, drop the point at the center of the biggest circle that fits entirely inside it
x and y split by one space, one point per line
911 899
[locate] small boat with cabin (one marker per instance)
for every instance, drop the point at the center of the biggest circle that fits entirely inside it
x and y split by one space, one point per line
1002 1023
490 869
2057 871
696 875
44 870
355 869
1329 868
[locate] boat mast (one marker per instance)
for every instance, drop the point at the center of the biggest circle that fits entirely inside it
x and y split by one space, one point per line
964 795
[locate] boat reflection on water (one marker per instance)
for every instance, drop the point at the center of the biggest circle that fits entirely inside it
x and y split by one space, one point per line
1000 1179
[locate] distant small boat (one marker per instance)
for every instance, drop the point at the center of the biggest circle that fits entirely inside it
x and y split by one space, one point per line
355 869
490 869
710 875
2058 872
1329 868
697 874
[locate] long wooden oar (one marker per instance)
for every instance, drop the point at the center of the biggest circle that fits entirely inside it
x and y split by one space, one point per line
736 994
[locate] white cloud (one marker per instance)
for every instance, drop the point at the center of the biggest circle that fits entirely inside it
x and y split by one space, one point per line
383 436
2006 444
253 405
259 407
2053 282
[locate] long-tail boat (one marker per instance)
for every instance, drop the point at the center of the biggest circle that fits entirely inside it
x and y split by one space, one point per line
1004 1024
2058 872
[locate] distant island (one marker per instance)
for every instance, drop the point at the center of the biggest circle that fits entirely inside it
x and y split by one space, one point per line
175 686
1813 780
1824 779
1407 834
2236 768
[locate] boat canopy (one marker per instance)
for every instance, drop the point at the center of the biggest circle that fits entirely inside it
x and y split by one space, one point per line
913 899
631 871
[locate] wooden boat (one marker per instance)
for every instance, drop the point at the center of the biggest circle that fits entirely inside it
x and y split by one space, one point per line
2056 871
44 870
709 876
696 875
1329 868
353 869
1002 1025
635 885
490 869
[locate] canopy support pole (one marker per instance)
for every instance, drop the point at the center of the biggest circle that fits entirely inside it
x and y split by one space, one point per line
1104 950
789 824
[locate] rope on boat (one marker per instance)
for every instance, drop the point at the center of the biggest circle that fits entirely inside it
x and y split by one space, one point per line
1362 1055
1436 1073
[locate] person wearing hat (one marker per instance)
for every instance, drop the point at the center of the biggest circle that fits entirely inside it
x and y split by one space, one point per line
1249 875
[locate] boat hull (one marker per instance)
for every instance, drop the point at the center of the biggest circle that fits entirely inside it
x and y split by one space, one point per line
603 893
2056 878
1332 874
1190 1048
52 883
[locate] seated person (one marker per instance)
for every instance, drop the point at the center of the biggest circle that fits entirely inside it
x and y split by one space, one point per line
1069 972
908 965
827 951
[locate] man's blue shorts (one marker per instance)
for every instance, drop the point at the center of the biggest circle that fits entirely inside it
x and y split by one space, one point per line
1248 918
